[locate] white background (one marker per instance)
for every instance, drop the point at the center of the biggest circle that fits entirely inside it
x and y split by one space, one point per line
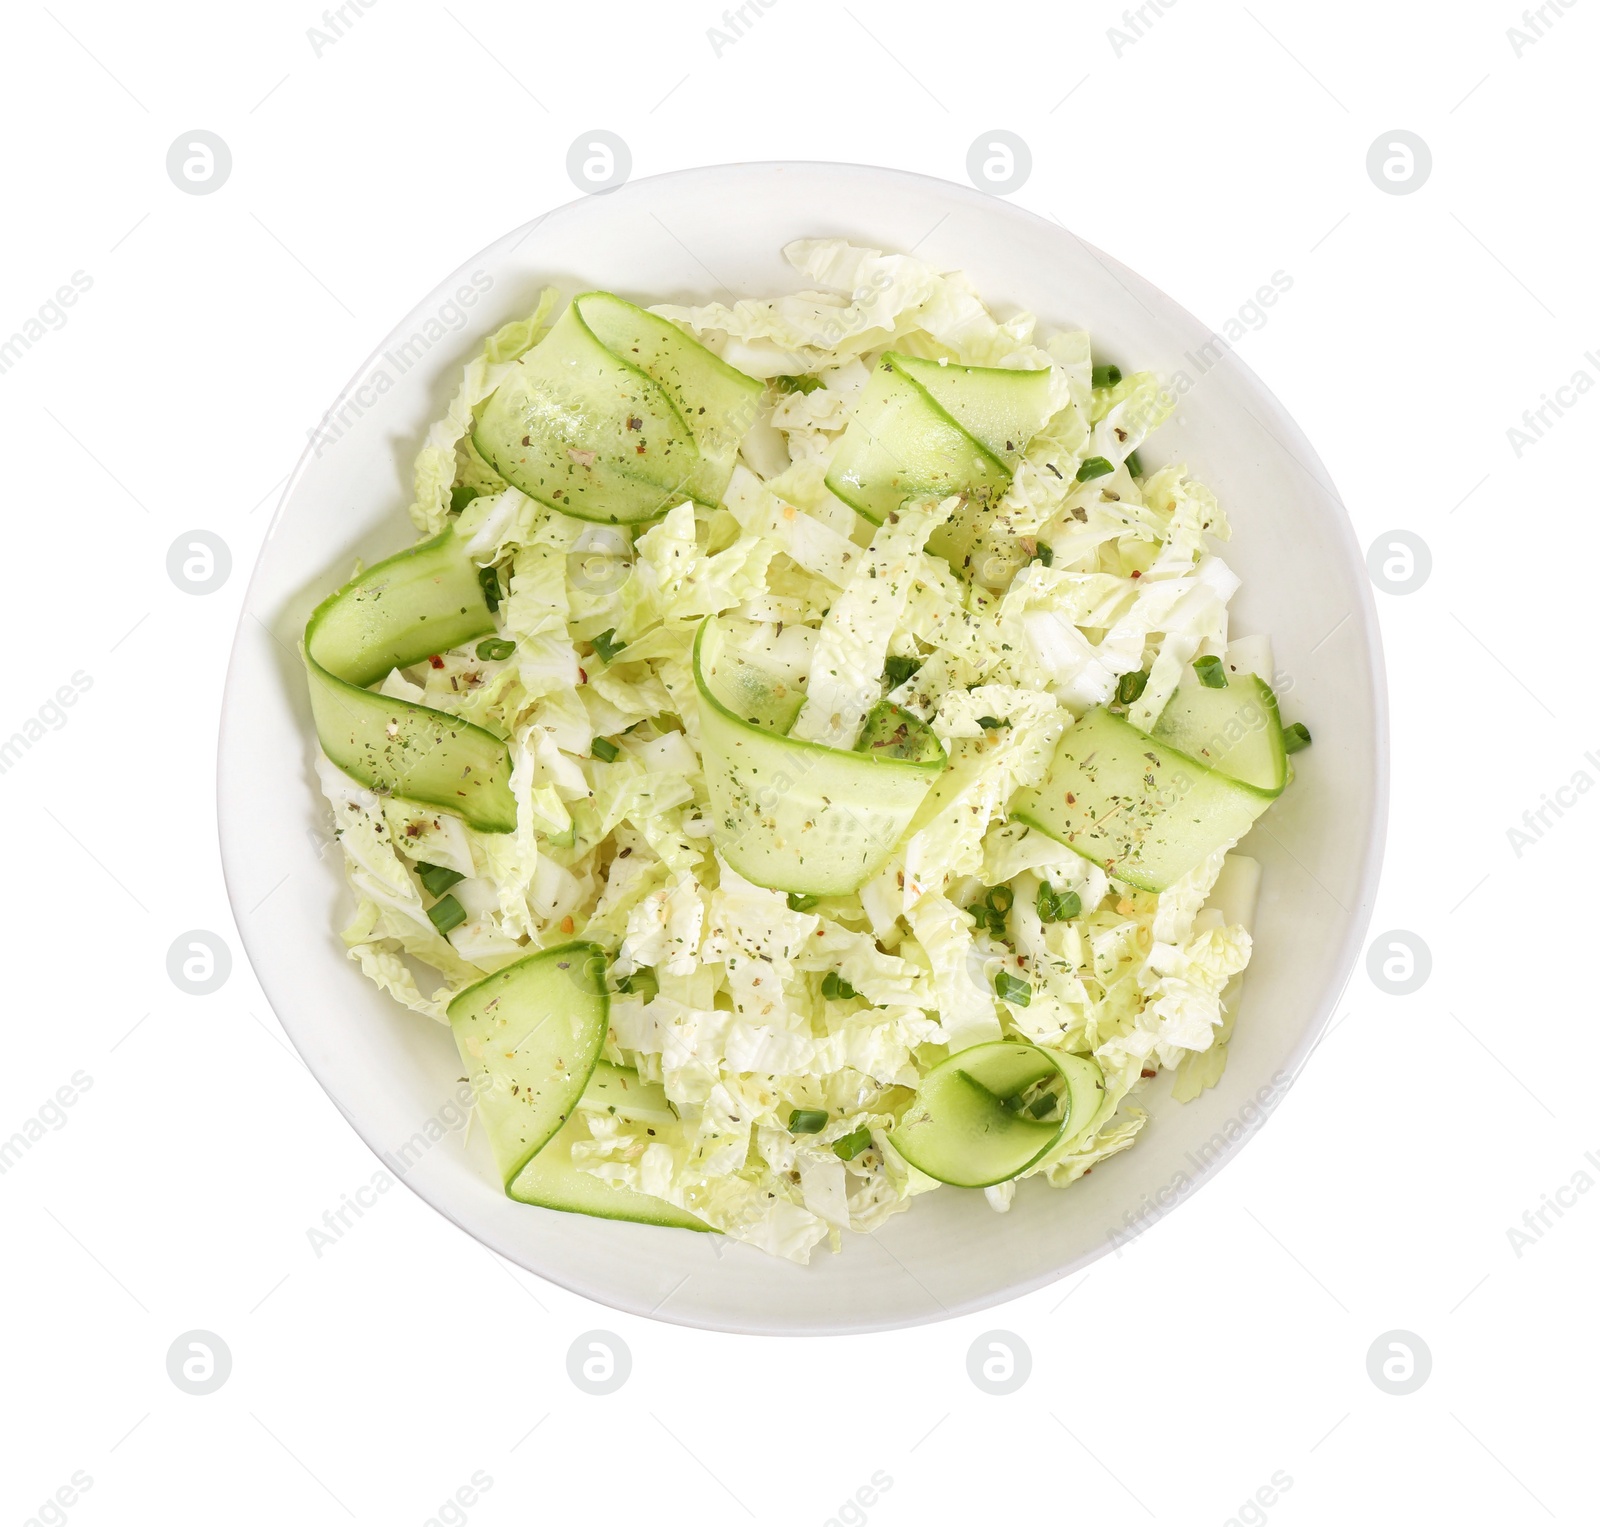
1170 1382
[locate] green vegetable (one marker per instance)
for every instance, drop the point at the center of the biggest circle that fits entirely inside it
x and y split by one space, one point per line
1043 552
1233 729
802 903
791 815
958 1128
807 1121
1013 989
848 1147
797 383
1210 672
489 582
446 913
399 611
1093 467
1001 899
436 879
604 750
835 988
1134 465
1131 685
1056 906
460 496
1296 736
989 723
642 983
1105 376
607 645
531 1034
923 430
617 415
896 670
495 650
1138 808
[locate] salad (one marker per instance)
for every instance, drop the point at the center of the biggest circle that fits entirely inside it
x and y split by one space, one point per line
802 757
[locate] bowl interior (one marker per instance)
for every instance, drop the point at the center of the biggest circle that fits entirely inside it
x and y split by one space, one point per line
718 233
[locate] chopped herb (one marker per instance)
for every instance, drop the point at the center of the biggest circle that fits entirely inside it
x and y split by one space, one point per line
1001 899
1131 685
896 670
489 582
1044 552
436 879
835 988
1296 736
446 913
1210 672
1093 467
1056 906
799 901
1012 989
797 383
989 723
495 649
604 750
807 1121
1106 376
607 645
848 1147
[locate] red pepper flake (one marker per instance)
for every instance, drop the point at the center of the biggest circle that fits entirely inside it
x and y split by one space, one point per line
1136 574
583 678
1072 800
638 450
1147 1074
436 661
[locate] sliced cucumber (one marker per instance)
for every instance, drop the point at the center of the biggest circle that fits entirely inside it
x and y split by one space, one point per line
717 402
617 416
1144 812
890 731
1234 730
1086 1088
900 444
424 600
791 815
399 611
530 1035
1002 409
551 1181
620 1092
971 1124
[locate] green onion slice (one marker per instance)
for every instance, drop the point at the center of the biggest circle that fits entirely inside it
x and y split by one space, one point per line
446 913
1012 989
436 879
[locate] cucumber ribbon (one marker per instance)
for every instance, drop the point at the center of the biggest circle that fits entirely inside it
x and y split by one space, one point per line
617 416
530 1037
926 430
398 612
798 816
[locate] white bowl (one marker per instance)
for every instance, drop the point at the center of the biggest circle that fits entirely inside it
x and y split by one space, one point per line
681 237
